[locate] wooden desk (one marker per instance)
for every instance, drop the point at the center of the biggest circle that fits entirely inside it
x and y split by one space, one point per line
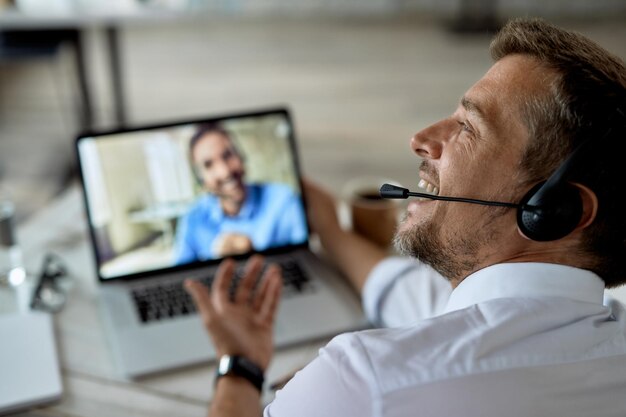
93 388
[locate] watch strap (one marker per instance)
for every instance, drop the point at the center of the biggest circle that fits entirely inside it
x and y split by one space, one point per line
242 367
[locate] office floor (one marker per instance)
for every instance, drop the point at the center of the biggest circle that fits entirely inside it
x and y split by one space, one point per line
359 88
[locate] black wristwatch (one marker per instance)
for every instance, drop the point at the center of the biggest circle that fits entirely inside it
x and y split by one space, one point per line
240 366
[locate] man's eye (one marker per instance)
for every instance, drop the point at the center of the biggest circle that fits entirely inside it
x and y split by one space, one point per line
207 164
465 127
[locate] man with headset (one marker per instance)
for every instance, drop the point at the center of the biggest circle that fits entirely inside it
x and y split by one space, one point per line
518 326
233 217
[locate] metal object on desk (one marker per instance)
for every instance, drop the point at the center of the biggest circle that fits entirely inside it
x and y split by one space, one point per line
54 283
12 272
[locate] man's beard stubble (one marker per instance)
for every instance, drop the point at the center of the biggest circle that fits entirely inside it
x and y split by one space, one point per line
454 258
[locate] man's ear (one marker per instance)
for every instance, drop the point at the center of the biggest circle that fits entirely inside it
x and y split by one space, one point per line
590 206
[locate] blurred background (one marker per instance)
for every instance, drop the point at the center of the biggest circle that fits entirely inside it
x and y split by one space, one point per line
360 76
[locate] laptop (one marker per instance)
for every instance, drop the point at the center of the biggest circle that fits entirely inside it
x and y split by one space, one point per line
158 212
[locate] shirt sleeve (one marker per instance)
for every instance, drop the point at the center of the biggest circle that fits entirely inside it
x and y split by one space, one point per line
401 291
292 225
333 384
297 221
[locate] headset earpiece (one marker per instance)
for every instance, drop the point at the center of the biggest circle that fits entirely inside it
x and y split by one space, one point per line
550 211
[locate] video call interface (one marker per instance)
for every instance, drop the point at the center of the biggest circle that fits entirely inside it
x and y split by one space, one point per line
165 197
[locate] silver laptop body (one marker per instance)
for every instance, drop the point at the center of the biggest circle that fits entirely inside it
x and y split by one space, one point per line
134 233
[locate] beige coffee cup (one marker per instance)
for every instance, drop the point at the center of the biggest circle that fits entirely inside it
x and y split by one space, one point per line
372 216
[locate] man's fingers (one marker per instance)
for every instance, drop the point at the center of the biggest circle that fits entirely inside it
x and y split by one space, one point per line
270 304
271 294
250 276
260 292
201 298
222 281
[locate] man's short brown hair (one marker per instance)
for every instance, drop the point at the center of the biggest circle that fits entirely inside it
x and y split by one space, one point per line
585 100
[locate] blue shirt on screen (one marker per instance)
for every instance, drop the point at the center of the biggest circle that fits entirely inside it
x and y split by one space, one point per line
272 215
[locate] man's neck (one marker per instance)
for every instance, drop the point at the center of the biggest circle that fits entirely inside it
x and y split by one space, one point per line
231 208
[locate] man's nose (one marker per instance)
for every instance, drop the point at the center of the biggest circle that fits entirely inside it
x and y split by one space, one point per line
222 170
429 142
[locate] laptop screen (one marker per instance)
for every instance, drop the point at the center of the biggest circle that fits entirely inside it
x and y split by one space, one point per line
168 196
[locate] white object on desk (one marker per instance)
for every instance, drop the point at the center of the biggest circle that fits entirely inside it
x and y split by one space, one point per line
29 367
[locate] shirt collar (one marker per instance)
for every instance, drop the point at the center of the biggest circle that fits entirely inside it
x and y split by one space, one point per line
247 209
250 203
526 280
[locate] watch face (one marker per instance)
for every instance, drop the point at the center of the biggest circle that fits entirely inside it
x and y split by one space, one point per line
224 365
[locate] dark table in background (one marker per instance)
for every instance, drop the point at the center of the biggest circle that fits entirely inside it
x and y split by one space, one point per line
25 34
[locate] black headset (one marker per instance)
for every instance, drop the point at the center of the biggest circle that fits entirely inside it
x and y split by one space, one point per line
551 209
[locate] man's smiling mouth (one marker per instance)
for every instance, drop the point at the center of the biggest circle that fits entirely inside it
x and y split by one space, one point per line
428 187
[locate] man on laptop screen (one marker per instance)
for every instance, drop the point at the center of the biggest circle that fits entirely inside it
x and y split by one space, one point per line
148 212
233 217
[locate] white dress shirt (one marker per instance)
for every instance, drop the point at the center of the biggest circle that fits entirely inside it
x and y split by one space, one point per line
519 339
402 291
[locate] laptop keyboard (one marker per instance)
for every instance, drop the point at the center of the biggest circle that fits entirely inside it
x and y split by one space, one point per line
168 300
